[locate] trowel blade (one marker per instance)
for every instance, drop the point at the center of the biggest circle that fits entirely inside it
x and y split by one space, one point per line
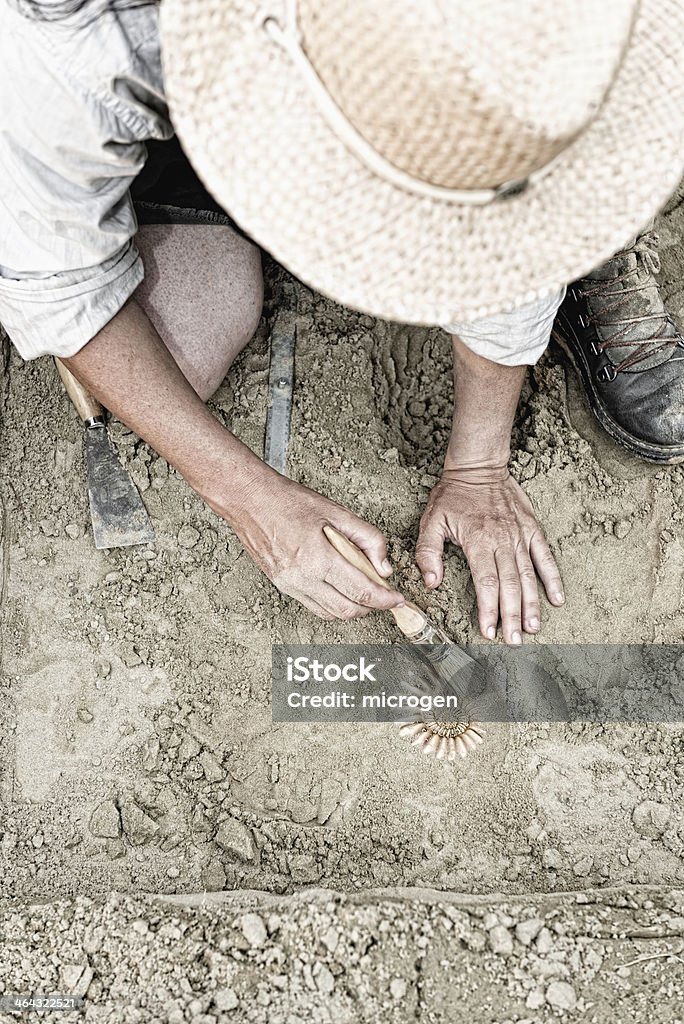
119 516
280 385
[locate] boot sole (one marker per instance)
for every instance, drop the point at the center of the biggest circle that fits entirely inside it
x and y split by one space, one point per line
661 454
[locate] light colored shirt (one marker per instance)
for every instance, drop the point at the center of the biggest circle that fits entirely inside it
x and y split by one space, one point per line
79 96
78 99
514 338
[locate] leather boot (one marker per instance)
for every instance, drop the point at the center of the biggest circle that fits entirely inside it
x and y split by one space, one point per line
629 352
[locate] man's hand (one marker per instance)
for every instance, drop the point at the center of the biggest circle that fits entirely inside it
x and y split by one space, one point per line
282 529
131 371
490 517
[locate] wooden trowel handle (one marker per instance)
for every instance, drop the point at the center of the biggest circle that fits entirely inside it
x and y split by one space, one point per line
86 406
354 556
410 619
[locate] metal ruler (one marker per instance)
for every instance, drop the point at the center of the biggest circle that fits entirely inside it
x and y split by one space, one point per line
280 388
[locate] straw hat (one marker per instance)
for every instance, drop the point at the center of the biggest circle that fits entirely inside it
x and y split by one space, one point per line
431 160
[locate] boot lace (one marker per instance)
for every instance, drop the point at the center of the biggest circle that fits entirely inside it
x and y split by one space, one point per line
664 336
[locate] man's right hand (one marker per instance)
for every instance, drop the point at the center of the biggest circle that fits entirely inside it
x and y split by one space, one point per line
130 370
282 529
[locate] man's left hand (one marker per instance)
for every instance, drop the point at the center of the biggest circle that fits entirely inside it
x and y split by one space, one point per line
491 518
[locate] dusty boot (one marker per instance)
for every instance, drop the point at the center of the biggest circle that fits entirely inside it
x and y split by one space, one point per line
629 352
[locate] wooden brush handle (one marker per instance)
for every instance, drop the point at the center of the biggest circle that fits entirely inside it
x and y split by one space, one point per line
87 407
410 619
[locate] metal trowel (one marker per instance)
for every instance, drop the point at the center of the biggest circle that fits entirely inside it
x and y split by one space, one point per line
119 517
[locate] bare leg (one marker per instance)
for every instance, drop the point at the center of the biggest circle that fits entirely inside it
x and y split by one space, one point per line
203 291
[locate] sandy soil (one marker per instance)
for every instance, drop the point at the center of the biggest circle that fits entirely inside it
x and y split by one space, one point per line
392 956
138 752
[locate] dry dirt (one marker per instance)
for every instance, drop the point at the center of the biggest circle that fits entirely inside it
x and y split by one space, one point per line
394 956
138 752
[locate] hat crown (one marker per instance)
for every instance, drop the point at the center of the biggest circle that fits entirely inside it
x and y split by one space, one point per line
462 94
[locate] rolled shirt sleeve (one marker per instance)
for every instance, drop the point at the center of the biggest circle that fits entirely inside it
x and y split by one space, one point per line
518 337
78 99
57 315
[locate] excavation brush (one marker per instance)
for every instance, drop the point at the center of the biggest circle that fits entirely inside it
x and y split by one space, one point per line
447 666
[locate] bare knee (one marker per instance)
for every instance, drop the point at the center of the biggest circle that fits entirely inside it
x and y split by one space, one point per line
230 327
203 291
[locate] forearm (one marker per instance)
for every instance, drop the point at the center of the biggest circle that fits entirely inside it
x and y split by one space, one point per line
130 370
279 523
486 396
479 506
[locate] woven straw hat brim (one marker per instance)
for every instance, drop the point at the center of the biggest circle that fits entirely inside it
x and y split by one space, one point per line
257 139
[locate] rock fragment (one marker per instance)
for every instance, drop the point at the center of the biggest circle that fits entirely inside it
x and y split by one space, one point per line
325 982
650 818
622 528
102 667
544 943
150 753
235 838
213 876
535 999
527 930
105 821
115 849
254 930
552 859
188 748
76 978
561 995
398 988
330 938
501 940
213 772
137 825
583 866
225 999
188 536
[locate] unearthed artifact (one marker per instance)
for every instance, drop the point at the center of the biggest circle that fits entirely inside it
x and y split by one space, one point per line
442 739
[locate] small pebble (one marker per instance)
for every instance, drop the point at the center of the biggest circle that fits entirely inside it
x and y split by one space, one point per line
253 929
583 866
528 930
544 943
105 821
501 940
188 536
397 988
561 995
650 818
226 999
325 982
535 999
330 938
622 528
552 859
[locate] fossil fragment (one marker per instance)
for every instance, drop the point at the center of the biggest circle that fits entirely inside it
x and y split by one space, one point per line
444 740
